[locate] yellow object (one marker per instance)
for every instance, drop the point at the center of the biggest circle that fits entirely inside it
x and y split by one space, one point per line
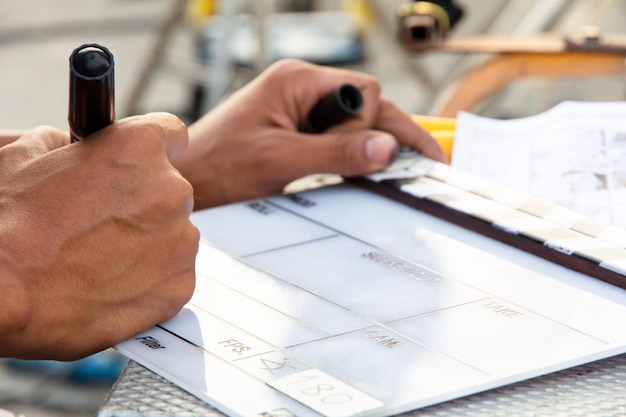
362 12
199 10
435 123
440 128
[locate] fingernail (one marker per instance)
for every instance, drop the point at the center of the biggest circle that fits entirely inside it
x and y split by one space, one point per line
381 148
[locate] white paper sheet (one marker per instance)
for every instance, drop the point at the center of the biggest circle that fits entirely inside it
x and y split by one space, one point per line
573 155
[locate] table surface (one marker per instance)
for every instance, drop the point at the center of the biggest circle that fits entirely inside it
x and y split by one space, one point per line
596 389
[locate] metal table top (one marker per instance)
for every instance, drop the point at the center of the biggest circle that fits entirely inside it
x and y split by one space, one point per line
597 389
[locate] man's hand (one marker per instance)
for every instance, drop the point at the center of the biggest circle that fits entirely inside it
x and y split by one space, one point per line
95 239
251 145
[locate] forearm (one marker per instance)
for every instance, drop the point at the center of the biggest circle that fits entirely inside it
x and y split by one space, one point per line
8 135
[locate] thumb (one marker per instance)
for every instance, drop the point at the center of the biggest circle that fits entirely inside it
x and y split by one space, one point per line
45 138
31 145
350 153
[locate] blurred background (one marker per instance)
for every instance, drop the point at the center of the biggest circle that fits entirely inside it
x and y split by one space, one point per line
184 56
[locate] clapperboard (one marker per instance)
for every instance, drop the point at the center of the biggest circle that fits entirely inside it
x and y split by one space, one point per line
388 293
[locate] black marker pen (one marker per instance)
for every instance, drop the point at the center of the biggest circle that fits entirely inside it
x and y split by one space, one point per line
92 99
343 104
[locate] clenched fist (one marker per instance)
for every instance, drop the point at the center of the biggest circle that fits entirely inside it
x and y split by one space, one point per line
95 239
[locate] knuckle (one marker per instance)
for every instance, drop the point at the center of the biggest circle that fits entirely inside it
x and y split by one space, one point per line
191 239
287 64
34 137
166 121
288 67
180 193
141 135
147 136
371 83
45 130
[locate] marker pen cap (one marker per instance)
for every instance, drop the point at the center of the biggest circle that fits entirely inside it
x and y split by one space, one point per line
92 99
345 102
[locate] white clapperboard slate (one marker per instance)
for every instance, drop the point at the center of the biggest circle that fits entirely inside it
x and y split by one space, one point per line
339 301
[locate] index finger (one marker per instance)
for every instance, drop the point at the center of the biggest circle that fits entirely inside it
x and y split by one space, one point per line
136 129
408 133
175 135
308 83
44 138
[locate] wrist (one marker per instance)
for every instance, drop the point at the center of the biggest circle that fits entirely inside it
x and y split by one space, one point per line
205 173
